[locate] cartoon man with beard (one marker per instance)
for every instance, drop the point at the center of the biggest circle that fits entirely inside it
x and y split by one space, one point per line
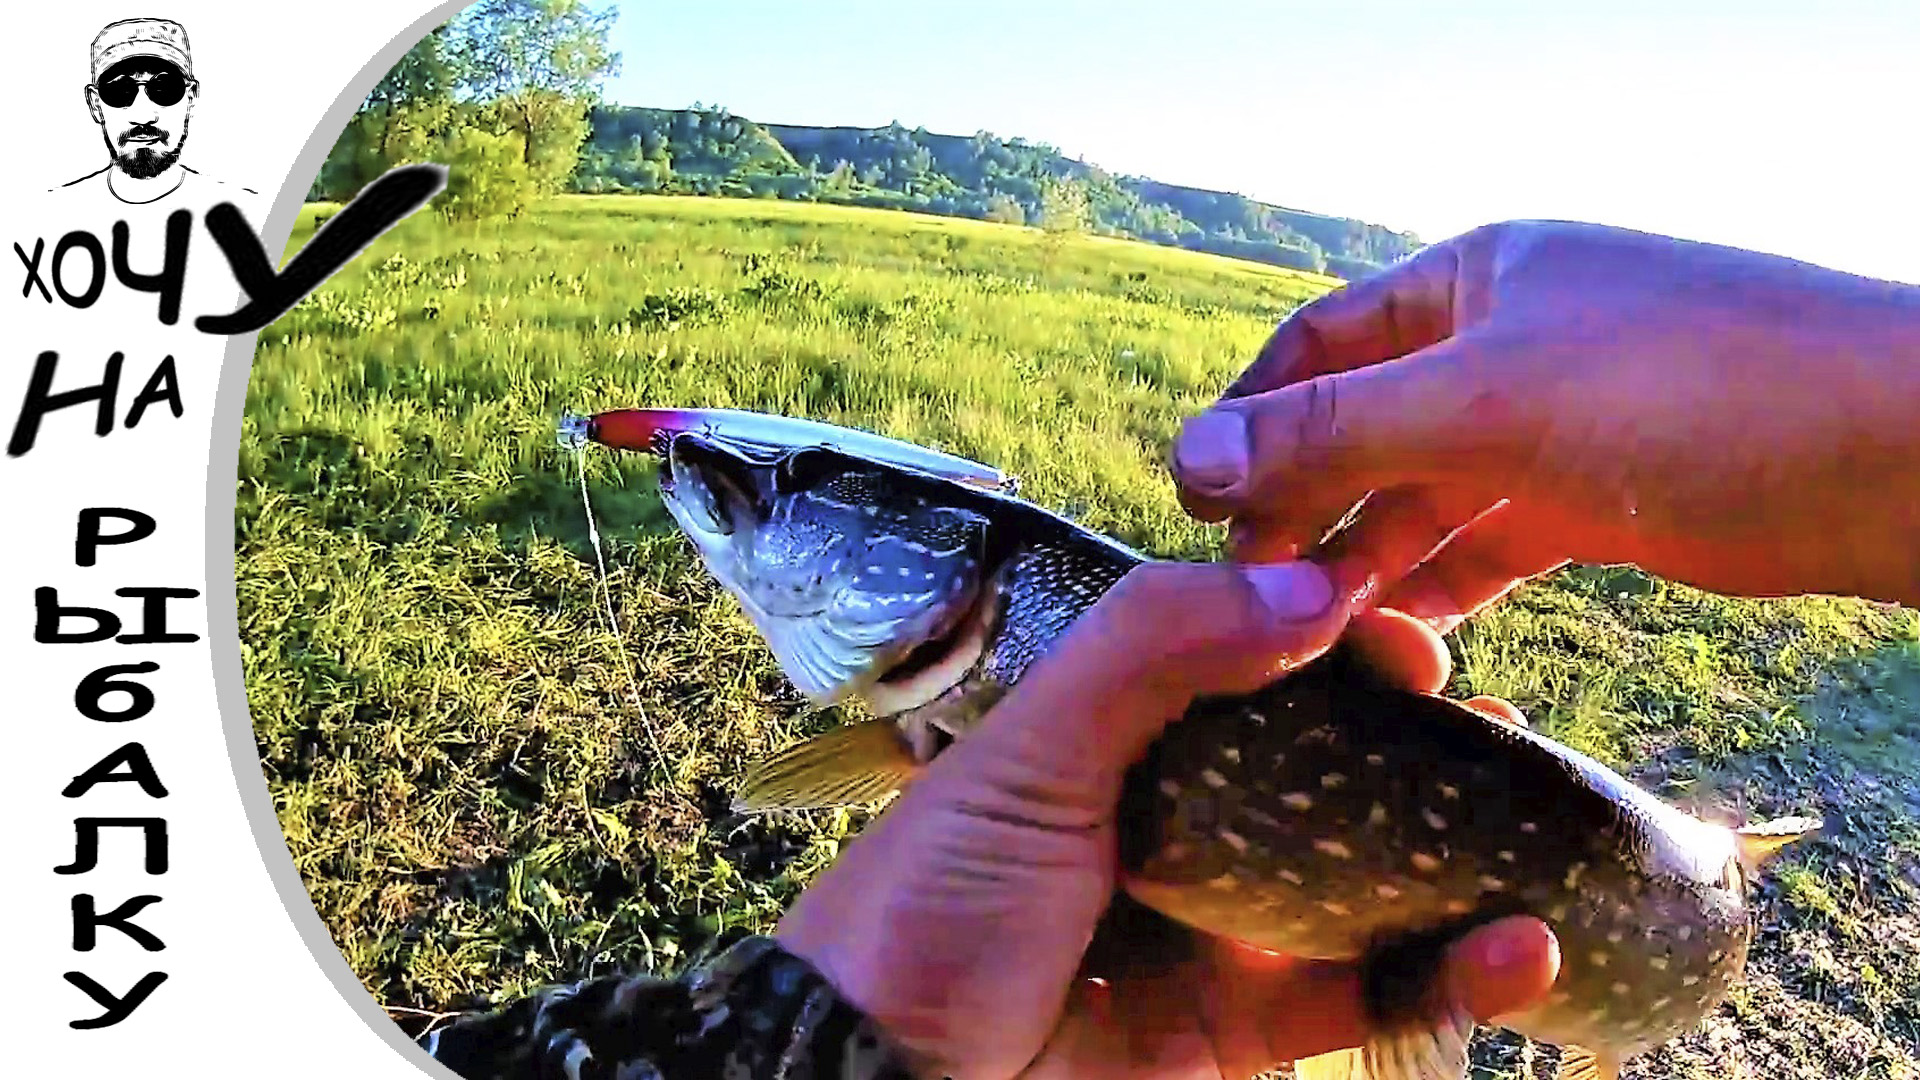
142 95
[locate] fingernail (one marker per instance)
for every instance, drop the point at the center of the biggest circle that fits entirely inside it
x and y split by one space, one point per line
1211 452
1293 591
1510 944
1500 951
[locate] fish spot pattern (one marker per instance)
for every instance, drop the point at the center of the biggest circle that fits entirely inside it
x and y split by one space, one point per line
1334 848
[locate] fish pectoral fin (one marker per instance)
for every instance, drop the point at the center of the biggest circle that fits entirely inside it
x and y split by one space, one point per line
1408 1053
847 766
1763 841
1580 1063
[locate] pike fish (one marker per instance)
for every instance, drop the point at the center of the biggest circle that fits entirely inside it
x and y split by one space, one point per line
1327 816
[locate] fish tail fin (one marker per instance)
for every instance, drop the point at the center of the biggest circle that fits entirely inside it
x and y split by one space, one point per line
1580 1063
1762 841
1435 1050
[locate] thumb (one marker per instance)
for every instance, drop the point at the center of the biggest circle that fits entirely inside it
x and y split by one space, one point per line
1167 633
1308 452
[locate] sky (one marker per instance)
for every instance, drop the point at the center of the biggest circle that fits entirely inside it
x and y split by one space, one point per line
1791 128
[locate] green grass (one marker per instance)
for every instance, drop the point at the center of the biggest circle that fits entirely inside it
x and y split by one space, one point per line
461 752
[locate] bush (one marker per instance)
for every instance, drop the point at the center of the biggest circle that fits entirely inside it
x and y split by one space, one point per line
678 307
487 175
1005 209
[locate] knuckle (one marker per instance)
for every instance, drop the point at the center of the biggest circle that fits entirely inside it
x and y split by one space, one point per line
1315 425
1178 611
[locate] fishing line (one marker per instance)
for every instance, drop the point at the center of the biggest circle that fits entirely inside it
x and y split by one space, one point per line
613 624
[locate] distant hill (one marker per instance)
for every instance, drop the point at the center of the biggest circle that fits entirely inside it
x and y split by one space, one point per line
708 150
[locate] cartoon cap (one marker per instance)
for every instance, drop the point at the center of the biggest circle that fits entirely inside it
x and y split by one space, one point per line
161 38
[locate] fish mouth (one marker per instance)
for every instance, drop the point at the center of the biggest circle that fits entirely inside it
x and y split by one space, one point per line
706 486
940 645
944 659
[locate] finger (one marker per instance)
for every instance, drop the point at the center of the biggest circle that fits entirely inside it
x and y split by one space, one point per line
1503 967
1262 1009
1397 529
1498 708
1384 537
1265 1009
1165 634
1284 530
1408 306
1450 413
1137 1024
1279 533
1479 565
1401 649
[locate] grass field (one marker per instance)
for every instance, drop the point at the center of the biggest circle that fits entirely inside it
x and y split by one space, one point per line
463 755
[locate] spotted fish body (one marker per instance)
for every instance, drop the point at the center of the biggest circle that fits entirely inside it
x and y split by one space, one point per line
1332 817
1327 816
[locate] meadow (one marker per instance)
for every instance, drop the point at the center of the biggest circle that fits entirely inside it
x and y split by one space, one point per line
487 789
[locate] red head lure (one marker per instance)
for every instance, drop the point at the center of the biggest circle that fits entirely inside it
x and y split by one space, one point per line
762 434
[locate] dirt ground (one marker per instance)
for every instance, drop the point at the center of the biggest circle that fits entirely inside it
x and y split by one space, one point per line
1833 984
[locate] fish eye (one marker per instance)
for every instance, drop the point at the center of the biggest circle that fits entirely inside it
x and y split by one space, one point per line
801 469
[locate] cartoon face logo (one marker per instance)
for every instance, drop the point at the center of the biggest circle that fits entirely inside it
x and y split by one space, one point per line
142 94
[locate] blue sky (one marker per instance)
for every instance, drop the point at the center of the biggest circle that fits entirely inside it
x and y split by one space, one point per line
1765 124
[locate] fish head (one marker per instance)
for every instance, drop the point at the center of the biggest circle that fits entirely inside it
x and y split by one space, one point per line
860 577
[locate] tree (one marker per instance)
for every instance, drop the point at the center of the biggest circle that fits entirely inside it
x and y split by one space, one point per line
423 83
401 121
537 64
841 179
1064 206
1004 208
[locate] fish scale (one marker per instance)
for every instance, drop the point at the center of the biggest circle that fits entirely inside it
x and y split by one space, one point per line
1329 815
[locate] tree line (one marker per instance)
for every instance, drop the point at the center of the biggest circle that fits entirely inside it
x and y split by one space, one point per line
499 94
507 95
707 150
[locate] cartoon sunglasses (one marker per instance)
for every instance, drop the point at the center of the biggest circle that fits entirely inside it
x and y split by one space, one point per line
164 88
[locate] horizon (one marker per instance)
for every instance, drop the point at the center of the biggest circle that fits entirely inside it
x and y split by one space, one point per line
1677 123
1003 137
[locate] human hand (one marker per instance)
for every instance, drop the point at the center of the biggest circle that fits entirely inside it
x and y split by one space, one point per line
961 919
1530 394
